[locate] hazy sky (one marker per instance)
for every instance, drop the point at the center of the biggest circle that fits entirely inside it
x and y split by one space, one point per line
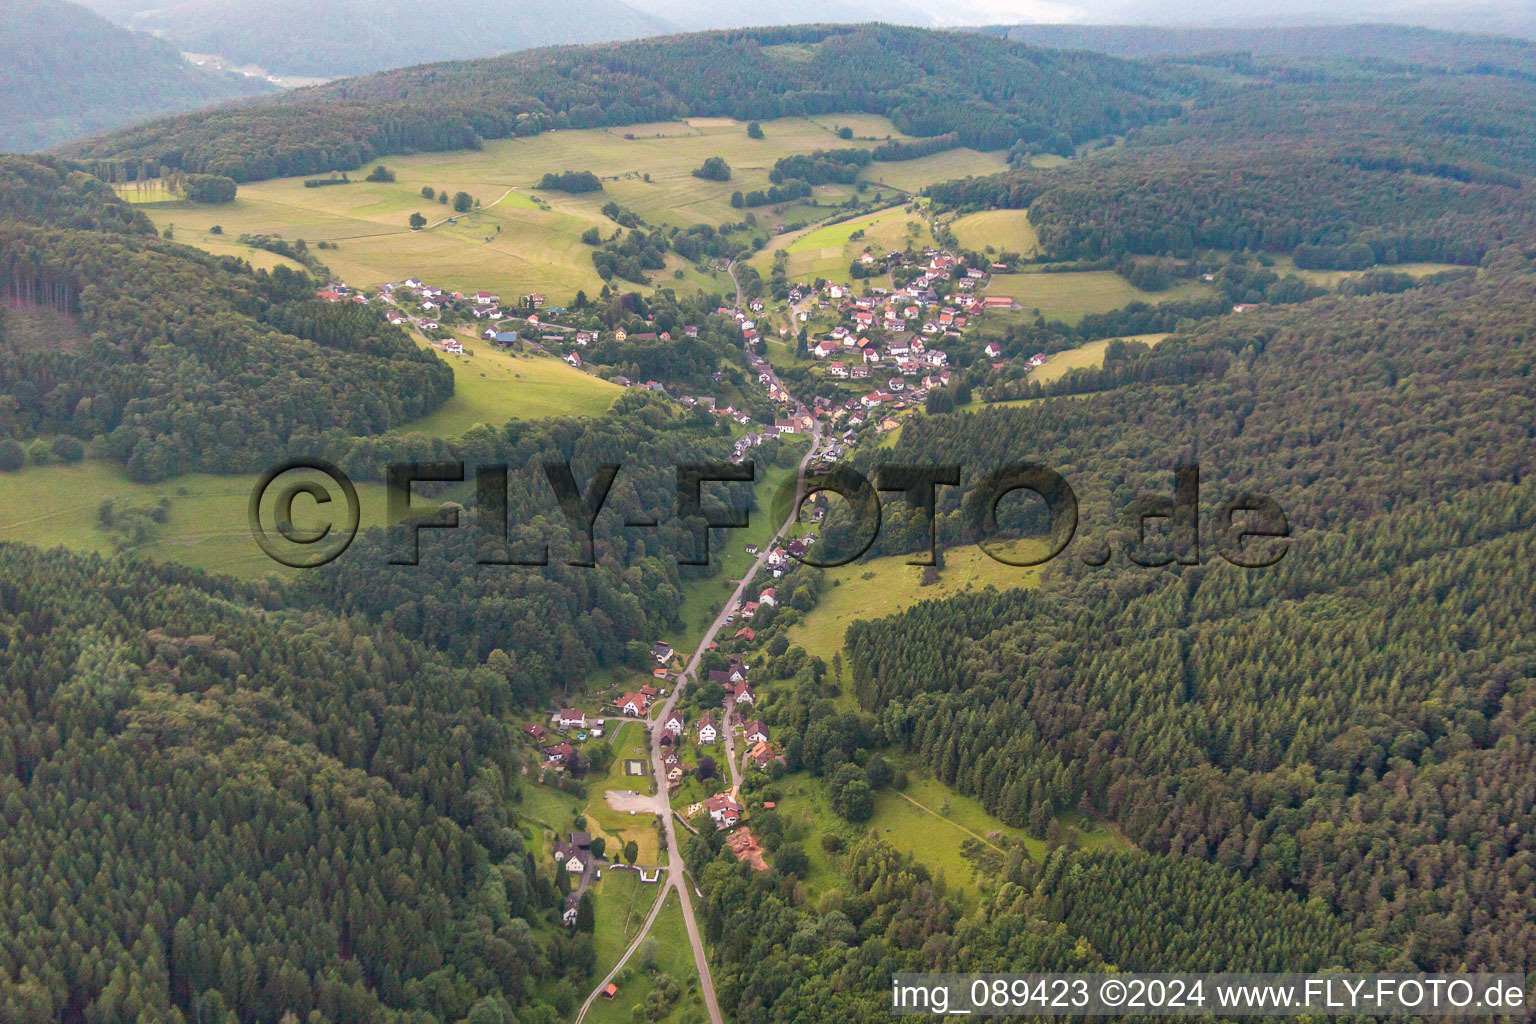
1485 15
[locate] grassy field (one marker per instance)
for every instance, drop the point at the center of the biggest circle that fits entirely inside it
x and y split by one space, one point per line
621 903
208 528
524 239
884 586
1332 278
674 957
617 826
1067 297
1091 355
928 820
911 175
828 250
491 385
702 598
549 808
1001 230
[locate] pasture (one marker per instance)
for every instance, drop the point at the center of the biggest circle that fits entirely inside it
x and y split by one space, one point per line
525 239
996 230
57 505
1331 279
1070 296
492 386
620 903
1089 356
826 251
879 587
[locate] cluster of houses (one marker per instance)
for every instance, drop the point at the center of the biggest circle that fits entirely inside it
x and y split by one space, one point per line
779 557
558 754
733 679
904 358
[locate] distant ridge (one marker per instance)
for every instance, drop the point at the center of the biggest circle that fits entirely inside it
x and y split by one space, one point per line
358 37
69 72
976 90
1424 47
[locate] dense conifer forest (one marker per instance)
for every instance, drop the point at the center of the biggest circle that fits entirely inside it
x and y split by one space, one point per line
225 802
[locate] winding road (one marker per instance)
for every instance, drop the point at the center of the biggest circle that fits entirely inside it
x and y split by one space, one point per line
676 877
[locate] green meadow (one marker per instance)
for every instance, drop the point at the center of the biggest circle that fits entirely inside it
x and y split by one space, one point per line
702 598
827 251
492 386
1084 357
884 586
999 230
621 903
674 957
629 741
207 528
1070 296
1333 278
928 820
524 239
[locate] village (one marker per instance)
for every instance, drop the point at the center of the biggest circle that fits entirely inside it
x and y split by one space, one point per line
873 356
682 743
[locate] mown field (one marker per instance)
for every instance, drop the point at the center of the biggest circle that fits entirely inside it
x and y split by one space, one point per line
492 386
207 527
621 902
1089 356
997 231
1068 297
1332 278
524 239
883 586
827 251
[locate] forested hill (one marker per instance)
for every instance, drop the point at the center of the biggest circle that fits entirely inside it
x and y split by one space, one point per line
1341 167
212 811
184 360
1389 44
68 72
991 93
1321 727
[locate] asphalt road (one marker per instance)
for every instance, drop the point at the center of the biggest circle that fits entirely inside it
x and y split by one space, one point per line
676 877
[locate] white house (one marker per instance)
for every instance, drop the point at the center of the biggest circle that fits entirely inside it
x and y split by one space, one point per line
725 811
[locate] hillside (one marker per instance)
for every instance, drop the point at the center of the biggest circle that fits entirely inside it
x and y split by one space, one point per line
356 37
991 94
68 72
1393 43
